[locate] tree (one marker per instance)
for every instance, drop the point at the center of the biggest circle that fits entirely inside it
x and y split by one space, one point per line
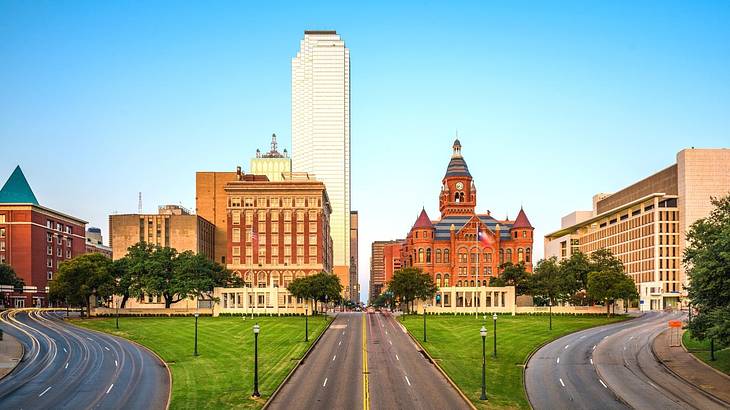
79 279
610 284
577 266
513 275
8 277
129 270
707 262
409 284
551 282
322 287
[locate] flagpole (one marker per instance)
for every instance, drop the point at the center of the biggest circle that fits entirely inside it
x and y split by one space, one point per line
476 276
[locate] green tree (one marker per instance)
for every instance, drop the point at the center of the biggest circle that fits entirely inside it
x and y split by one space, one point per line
577 266
409 284
81 278
550 282
610 284
707 262
322 287
8 277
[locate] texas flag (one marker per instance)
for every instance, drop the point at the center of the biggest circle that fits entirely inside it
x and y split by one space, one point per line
485 240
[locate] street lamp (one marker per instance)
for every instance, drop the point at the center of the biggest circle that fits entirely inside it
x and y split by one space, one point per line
116 305
494 318
256 329
483 332
306 323
196 314
550 303
424 323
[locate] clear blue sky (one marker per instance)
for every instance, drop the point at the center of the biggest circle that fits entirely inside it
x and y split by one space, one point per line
553 101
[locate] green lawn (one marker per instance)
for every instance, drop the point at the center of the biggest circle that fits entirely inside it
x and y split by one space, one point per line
222 375
702 351
454 342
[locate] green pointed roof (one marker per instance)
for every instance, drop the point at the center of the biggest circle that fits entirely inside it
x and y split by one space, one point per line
16 190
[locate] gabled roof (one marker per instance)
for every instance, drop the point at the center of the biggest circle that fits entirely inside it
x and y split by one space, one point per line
423 221
443 226
522 221
17 190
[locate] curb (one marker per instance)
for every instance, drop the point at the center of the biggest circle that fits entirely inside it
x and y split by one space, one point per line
443 373
22 358
679 376
702 362
299 363
169 373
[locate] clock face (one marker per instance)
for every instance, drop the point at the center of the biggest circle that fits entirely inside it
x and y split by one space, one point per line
459 185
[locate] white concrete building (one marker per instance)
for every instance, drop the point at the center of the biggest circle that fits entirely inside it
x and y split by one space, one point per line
321 129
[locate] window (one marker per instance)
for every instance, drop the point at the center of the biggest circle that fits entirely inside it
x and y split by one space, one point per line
49 275
524 234
438 255
2 218
446 256
515 235
248 203
446 280
49 262
59 227
2 246
58 239
49 250
501 256
2 232
488 257
462 257
236 217
68 254
236 251
428 255
420 255
49 224
438 279
236 260
236 234
527 255
69 241
509 255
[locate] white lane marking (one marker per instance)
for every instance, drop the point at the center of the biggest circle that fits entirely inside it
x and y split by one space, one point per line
90 339
116 363
396 357
334 357
591 360
561 383
557 360
45 391
343 332
325 382
604 384
594 347
338 344
631 338
391 342
106 348
386 332
64 350
624 347
409 382
582 337
66 366
566 346
110 388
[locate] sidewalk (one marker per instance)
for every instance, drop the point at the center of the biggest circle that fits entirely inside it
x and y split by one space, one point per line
11 351
692 370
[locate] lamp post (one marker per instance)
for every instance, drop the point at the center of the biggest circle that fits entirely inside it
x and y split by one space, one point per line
483 332
306 323
494 319
256 329
550 303
196 314
116 305
424 323
689 312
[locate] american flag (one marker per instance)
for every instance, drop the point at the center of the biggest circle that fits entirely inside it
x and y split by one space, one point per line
484 239
254 238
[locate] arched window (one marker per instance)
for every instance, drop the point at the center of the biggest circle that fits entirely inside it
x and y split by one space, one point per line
416 234
438 255
456 197
420 255
262 279
446 280
527 255
446 256
462 257
458 284
501 256
275 279
461 197
488 257
438 279
471 283
287 279
484 283
428 255
248 279
509 255
520 255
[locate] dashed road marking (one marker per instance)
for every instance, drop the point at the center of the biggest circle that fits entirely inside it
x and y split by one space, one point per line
45 391
334 357
116 363
64 350
566 346
594 347
110 388
557 360
325 382
604 384
90 339
561 383
106 348
391 342
339 343
396 357
591 360
66 367
408 381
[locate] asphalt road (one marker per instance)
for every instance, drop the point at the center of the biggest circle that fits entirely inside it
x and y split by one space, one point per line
609 367
68 367
371 354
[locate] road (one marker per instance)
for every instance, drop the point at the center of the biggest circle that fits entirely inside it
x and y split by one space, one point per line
395 374
68 367
609 367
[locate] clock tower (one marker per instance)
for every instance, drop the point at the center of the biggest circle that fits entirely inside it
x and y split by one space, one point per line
458 194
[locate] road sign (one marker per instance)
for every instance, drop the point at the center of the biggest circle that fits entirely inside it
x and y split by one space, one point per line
675 323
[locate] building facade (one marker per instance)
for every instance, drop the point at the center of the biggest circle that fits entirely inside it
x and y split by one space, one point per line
95 243
354 285
645 223
463 249
273 164
173 226
321 128
35 240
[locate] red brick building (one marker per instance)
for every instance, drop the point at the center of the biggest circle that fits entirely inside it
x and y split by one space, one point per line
278 230
34 240
464 248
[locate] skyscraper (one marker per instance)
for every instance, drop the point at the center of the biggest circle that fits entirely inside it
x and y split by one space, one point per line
321 129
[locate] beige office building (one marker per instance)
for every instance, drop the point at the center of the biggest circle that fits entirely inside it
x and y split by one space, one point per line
353 285
273 164
173 226
321 128
645 223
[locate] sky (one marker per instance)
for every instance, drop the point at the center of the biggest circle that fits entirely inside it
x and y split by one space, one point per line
552 101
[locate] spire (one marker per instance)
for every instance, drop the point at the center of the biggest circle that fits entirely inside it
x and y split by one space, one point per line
273 142
456 147
522 221
423 220
17 190
457 166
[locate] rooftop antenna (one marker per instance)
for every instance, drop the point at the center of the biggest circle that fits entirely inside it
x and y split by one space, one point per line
139 204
